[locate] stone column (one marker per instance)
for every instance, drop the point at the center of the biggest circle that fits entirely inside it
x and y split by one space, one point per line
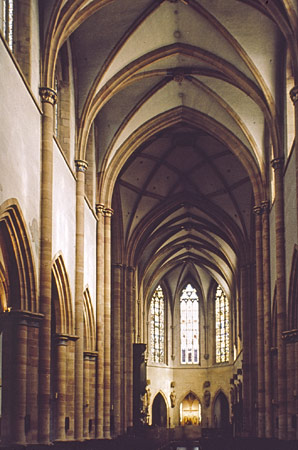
61 347
48 99
246 362
81 167
130 304
107 322
117 337
291 339
277 165
267 321
20 381
86 394
99 320
260 323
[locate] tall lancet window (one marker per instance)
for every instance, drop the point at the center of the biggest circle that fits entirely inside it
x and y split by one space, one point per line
189 326
157 322
7 13
222 326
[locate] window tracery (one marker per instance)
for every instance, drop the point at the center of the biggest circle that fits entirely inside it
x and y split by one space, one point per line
222 325
189 325
157 310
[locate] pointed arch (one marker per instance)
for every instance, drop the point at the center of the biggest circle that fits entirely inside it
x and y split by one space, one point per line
61 297
190 409
160 410
18 269
220 408
89 323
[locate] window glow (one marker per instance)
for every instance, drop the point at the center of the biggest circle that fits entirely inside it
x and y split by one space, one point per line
222 325
189 326
157 308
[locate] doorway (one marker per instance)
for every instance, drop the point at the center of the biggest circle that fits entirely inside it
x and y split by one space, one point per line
159 411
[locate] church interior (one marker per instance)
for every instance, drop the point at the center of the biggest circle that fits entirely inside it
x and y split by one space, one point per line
148 220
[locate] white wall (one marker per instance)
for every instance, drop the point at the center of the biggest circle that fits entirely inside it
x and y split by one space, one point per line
64 215
20 136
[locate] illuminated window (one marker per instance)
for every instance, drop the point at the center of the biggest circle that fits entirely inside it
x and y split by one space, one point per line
157 309
222 324
7 21
189 326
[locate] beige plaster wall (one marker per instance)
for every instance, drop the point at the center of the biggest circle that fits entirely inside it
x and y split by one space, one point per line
19 146
64 215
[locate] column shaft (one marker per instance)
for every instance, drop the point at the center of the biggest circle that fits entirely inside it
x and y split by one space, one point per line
61 387
48 98
79 290
107 322
117 392
99 321
260 324
20 378
267 321
86 395
130 302
280 297
246 364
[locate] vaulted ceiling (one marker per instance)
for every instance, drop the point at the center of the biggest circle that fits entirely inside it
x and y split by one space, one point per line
186 97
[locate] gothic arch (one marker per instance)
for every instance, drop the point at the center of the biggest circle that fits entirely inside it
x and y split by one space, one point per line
220 410
89 323
160 410
61 297
184 417
18 269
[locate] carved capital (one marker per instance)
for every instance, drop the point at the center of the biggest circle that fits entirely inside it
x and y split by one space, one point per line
290 336
277 163
294 94
48 95
81 165
108 212
99 209
265 206
257 210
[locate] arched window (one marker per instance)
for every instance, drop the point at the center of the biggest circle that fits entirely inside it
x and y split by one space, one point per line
222 325
157 310
189 326
7 13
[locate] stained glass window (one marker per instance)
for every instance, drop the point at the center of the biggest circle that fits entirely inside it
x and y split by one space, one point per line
222 324
7 21
189 325
157 310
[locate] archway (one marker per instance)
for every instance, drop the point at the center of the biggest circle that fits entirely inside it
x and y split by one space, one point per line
221 412
159 411
190 410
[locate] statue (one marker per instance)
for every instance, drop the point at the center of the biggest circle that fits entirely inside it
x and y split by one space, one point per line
207 396
173 398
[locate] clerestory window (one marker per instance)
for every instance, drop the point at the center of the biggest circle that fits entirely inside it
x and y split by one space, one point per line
189 326
222 326
157 322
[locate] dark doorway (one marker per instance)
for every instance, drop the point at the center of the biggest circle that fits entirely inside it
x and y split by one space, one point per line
159 411
221 412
